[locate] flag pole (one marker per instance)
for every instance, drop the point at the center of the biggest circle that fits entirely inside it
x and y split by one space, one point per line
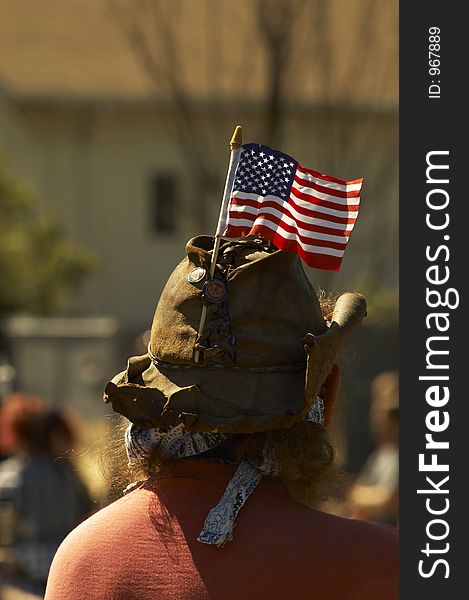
235 145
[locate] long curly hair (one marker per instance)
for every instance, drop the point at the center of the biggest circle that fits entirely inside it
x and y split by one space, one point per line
305 456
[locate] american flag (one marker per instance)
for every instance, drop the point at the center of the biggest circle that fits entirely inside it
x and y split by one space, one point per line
297 209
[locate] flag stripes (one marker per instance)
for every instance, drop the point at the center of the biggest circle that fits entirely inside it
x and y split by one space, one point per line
298 209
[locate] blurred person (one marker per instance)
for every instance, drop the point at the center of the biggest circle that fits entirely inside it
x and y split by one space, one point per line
228 449
375 493
141 343
7 377
42 498
16 410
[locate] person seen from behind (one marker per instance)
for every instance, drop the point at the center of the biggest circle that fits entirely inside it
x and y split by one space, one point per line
228 451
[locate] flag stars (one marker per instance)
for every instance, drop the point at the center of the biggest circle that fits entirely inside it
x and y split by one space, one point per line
263 171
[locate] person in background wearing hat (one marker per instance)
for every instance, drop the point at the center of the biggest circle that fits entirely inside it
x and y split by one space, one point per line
228 445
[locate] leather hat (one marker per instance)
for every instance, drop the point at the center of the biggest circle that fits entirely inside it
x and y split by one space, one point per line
264 354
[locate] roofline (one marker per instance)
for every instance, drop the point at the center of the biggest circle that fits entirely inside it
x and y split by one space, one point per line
120 103
49 101
149 102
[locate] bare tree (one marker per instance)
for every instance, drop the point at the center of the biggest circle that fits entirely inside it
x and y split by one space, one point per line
284 46
152 27
154 36
277 24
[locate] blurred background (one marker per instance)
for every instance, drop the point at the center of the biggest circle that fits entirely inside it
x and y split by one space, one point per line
115 118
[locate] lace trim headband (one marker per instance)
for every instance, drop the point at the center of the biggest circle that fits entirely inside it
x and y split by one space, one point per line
180 443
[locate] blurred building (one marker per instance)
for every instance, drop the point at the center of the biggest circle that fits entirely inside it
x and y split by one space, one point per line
119 113
86 125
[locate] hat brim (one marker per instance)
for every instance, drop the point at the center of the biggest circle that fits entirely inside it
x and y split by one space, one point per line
209 398
229 399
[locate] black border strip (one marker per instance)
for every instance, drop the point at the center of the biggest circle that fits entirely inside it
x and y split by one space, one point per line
433 126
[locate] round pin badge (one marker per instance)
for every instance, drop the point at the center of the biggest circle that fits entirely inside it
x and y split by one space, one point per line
215 291
196 275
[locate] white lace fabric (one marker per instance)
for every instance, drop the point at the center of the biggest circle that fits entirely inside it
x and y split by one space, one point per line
180 443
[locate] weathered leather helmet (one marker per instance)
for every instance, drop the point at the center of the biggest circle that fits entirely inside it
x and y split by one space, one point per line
264 354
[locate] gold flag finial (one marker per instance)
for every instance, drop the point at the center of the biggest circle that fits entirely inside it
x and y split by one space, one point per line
237 138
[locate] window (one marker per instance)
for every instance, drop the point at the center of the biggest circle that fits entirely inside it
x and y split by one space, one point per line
163 203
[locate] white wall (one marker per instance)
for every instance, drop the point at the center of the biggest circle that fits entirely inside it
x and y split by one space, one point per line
91 168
